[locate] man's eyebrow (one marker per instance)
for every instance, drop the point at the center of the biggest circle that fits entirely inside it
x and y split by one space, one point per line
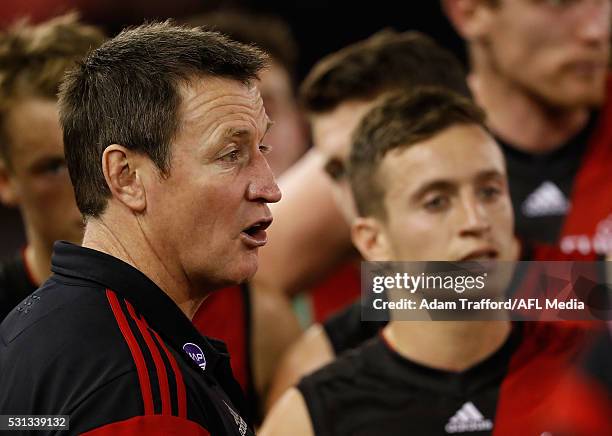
269 124
489 174
233 132
434 185
449 185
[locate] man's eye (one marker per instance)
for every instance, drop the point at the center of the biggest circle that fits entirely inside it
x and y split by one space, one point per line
489 193
560 3
52 167
265 149
232 156
335 169
437 204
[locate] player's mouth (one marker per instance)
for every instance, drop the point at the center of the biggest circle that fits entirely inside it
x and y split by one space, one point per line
588 68
482 254
255 235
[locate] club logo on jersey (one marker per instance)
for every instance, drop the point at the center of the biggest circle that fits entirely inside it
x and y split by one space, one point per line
196 354
468 419
242 425
599 243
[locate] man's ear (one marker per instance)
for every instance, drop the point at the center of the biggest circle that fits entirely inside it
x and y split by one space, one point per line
471 18
370 239
8 192
121 172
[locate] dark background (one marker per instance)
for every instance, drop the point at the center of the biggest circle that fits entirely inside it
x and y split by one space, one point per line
320 27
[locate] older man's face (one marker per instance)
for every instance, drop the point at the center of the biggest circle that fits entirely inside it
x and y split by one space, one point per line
210 213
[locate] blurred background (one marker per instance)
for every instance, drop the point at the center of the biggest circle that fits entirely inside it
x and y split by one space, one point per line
319 27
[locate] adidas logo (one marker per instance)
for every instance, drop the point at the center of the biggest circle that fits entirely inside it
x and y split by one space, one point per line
468 418
546 200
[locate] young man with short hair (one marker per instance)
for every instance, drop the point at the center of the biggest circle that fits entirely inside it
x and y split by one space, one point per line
420 199
337 92
33 173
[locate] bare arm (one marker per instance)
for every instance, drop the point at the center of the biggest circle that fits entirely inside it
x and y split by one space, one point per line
309 235
275 328
289 417
312 351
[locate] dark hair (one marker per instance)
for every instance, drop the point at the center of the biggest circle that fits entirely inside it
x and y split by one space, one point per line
387 61
399 121
33 60
127 92
268 32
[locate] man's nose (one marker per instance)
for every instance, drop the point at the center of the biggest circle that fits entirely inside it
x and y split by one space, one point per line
595 21
475 221
263 186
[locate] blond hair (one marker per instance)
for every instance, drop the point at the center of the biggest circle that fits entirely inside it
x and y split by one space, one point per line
34 58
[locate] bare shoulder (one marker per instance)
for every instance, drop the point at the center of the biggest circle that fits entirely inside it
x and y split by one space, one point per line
311 352
288 416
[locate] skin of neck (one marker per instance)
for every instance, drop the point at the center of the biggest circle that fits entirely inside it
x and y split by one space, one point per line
447 345
516 115
38 256
125 239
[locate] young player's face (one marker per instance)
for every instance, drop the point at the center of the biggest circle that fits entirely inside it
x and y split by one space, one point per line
287 136
557 50
331 132
203 214
447 199
37 180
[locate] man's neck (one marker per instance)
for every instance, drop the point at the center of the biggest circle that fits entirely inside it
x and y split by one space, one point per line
447 345
37 258
132 247
522 119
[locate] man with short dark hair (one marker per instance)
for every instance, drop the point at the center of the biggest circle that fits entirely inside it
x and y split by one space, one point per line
419 199
163 130
338 91
288 139
545 94
334 95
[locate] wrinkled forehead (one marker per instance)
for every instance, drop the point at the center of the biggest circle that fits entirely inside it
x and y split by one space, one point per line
217 97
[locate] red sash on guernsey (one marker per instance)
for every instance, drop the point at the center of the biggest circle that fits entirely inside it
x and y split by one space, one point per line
587 230
545 357
223 316
336 291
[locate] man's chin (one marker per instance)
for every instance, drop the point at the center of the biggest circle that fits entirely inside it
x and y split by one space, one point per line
580 94
243 273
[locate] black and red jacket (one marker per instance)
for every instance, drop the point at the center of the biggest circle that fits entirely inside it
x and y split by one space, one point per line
100 342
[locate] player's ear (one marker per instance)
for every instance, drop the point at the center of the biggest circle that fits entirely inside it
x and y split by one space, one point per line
8 191
121 168
472 19
370 239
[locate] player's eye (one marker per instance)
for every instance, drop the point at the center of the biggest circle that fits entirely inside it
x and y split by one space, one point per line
489 193
437 203
335 169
